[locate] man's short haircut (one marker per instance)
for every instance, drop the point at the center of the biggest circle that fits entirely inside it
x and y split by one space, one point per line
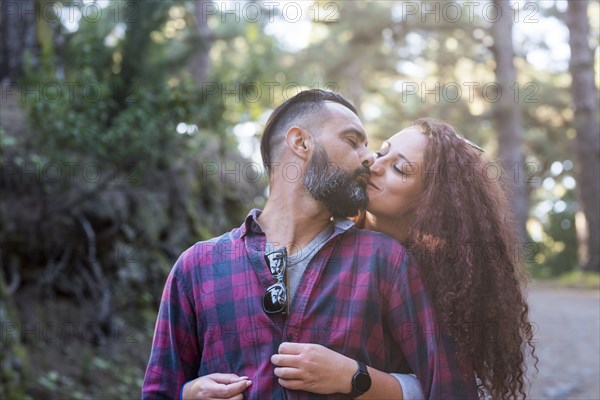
296 110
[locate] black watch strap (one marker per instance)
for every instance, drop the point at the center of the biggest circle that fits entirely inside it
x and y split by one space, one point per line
361 381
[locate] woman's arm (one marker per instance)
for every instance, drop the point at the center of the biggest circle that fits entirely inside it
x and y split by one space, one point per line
411 388
317 369
383 385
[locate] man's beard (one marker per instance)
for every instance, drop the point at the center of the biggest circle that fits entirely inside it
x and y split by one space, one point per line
343 193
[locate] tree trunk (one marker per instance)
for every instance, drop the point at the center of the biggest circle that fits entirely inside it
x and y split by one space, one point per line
18 34
507 114
200 65
587 127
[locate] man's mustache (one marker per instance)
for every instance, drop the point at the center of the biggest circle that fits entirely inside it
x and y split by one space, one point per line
361 174
362 170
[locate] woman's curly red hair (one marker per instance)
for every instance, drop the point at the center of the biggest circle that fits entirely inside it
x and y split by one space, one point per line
462 237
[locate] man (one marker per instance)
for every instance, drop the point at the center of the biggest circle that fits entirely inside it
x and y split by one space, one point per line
271 309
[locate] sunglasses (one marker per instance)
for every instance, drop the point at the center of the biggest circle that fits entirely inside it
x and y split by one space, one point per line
473 145
275 298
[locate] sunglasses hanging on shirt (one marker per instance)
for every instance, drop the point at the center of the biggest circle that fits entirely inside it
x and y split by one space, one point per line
276 297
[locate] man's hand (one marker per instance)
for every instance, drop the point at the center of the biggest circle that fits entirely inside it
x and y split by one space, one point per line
313 368
216 386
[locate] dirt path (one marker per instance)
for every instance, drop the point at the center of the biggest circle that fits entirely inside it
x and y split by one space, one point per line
568 334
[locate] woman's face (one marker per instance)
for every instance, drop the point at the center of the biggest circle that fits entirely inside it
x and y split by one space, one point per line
397 175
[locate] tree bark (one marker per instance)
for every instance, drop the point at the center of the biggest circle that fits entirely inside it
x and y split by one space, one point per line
507 115
200 65
17 35
587 127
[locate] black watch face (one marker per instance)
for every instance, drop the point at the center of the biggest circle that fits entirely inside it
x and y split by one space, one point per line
362 382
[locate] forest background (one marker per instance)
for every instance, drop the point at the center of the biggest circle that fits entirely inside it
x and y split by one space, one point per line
130 130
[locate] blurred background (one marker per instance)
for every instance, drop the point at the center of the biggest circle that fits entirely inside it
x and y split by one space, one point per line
130 130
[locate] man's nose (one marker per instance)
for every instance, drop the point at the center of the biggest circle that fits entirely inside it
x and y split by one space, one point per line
368 159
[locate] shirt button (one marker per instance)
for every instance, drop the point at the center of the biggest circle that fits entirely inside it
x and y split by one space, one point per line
290 338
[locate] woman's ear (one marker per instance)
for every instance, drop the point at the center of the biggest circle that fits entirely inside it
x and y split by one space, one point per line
299 141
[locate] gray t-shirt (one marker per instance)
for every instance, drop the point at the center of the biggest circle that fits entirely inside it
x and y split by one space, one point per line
298 262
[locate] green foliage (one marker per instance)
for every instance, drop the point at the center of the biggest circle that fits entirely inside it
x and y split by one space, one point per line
128 107
13 358
558 250
580 280
114 103
553 220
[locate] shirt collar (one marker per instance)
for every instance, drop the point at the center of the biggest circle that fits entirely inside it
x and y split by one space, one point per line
342 224
251 224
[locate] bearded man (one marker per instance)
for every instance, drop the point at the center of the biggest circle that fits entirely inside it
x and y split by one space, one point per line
296 303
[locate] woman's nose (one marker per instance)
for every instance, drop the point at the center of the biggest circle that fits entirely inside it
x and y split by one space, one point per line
376 167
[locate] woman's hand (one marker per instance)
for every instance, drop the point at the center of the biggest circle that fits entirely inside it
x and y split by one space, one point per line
313 368
216 386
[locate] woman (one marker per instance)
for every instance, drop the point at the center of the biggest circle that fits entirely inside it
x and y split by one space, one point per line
431 190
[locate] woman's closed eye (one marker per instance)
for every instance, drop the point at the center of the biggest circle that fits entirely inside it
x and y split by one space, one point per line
399 170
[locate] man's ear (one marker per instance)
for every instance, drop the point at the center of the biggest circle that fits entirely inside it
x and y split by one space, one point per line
299 141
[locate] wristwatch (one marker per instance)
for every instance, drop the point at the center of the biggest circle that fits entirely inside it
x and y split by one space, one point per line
361 381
